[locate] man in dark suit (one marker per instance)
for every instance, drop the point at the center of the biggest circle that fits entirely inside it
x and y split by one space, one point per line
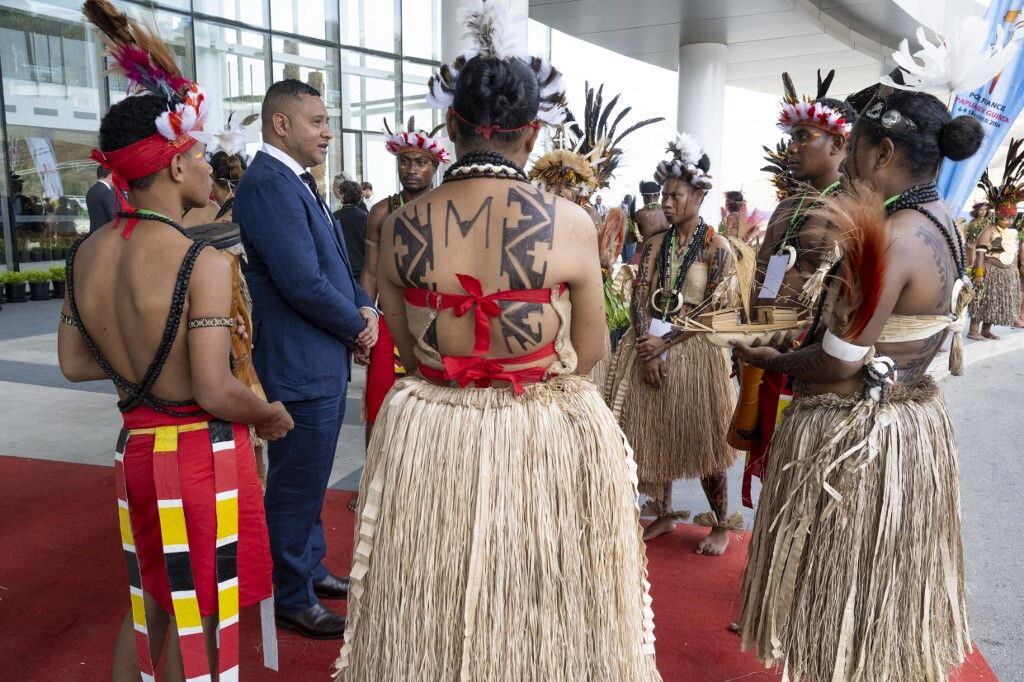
309 316
100 200
352 217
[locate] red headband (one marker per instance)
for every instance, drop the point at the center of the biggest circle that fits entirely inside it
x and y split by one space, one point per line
137 160
486 131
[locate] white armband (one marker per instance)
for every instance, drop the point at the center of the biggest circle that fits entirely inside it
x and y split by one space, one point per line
842 350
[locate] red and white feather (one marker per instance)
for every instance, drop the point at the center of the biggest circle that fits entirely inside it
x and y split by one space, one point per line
187 117
418 140
814 114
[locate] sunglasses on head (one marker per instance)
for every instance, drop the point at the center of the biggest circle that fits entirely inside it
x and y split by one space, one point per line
873 105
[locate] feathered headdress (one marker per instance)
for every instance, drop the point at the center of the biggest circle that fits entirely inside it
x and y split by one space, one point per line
140 56
688 161
778 166
489 28
232 138
1006 196
812 112
411 138
587 154
597 138
962 61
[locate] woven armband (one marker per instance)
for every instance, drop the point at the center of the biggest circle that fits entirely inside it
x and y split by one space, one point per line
67 320
203 322
842 350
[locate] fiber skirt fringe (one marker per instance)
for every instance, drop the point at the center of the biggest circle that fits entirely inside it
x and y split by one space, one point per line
1000 303
498 539
855 571
677 431
599 375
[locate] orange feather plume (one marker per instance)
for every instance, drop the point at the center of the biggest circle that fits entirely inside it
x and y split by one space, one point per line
612 234
859 216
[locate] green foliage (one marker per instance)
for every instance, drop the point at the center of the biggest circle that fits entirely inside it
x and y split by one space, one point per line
616 310
38 276
58 274
13 277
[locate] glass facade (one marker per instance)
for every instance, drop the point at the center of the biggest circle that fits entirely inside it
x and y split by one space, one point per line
369 58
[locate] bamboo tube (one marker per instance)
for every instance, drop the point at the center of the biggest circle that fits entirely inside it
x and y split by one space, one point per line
743 427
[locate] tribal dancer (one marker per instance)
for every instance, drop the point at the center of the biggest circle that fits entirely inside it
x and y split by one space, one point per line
996 253
190 504
856 566
981 217
497 535
798 247
670 389
584 161
419 154
650 219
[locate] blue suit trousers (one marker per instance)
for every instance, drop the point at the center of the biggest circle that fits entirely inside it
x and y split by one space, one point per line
297 465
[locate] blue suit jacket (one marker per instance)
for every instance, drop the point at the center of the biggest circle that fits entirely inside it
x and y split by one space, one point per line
304 298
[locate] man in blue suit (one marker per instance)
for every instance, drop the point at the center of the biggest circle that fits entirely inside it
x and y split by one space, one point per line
309 316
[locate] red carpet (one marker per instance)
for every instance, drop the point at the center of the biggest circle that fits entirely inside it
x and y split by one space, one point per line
63 589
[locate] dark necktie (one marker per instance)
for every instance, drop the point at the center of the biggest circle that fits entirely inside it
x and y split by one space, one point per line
307 178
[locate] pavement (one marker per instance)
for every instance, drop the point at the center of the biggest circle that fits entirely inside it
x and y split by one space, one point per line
44 416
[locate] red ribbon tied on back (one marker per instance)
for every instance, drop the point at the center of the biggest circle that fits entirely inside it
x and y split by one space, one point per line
486 308
482 371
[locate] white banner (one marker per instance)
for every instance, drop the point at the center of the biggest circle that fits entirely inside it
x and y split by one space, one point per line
45 161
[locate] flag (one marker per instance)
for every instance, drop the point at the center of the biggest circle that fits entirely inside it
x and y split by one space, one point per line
995 104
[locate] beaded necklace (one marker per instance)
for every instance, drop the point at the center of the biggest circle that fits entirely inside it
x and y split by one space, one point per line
484 165
653 204
799 217
673 274
146 214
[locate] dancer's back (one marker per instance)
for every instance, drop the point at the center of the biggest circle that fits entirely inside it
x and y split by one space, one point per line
508 235
123 292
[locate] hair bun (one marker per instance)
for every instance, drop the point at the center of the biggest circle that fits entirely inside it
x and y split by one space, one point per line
960 138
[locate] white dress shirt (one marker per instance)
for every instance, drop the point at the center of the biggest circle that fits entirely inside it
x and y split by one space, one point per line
294 166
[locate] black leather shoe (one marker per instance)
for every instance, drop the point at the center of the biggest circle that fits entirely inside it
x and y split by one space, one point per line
331 587
316 622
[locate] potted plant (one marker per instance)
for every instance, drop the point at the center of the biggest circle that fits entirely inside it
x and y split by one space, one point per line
23 251
39 285
57 276
14 285
35 254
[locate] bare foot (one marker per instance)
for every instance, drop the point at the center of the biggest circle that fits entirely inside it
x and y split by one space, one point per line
1018 324
660 526
353 503
715 543
976 336
990 335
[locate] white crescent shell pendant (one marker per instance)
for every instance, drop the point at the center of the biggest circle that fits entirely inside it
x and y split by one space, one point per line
790 251
655 306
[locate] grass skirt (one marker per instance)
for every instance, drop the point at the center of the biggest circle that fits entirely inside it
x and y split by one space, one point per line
677 431
599 374
1000 302
856 566
498 539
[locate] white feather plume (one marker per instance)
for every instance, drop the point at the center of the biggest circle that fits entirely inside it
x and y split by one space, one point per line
690 151
489 27
964 60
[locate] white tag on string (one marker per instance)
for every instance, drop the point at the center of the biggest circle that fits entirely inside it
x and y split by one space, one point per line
773 275
660 328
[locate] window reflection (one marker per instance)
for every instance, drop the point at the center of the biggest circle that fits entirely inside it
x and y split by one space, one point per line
368 91
252 12
421 28
234 67
51 65
371 23
313 18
